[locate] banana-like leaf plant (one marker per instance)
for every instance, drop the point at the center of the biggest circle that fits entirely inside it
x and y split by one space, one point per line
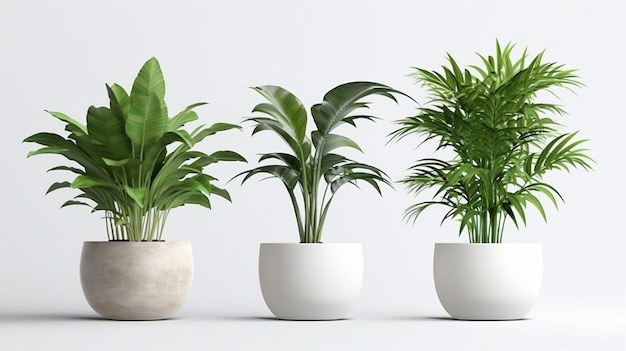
503 140
135 162
312 168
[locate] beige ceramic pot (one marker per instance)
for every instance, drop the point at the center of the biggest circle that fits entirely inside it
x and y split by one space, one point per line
136 280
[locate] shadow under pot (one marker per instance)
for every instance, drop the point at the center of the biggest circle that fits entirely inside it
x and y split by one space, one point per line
488 281
136 280
311 281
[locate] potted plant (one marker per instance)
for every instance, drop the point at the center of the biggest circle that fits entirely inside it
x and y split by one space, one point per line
501 139
310 280
135 164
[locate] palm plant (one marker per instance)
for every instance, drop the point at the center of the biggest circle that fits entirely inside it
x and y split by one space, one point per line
503 140
314 169
126 169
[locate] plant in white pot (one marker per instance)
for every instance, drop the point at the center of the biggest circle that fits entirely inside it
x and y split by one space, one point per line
135 164
502 139
312 280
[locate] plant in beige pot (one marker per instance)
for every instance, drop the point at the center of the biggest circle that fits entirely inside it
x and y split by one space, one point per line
496 123
134 164
311 280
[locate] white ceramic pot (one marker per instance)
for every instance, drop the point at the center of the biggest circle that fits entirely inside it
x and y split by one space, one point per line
136 280
311 281
488 281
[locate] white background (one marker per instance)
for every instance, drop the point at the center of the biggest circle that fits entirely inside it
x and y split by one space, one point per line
59 55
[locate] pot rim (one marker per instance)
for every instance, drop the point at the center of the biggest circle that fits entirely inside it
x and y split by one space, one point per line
312 244
487 244
125 242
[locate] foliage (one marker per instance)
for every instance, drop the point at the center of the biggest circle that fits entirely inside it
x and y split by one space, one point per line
313 160
126 169
504 141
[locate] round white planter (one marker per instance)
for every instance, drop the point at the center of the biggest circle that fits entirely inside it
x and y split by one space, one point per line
311 281
136 280
488 281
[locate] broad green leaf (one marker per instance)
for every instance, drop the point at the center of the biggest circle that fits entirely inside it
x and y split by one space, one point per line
115 163
331 142
190 199
88 181
72 125
340 101
221 192
227 155
146 121
119 101
215 128
138 194
47 150
301 149
288 159
109 129
369 178
149 81
184 117
287 175
287 109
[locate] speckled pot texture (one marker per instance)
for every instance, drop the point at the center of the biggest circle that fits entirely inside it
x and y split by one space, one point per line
136 280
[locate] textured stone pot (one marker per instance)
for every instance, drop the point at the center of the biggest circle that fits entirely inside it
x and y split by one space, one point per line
136 280
488 281
311 281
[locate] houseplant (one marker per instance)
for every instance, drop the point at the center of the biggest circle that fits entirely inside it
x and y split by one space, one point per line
497 122
135 164
310 280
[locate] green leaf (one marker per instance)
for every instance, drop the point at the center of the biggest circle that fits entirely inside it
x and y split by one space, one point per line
146 121
286 108
215 128
301 149
535 202
287 175
184 117
331 142
288 159
221 192
342 100
119 101
66 168
58 185
115 163
330 160
74 202
72 125
47 150
190 199
149 81
138 194
369 178
89 181
109 129
227 155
